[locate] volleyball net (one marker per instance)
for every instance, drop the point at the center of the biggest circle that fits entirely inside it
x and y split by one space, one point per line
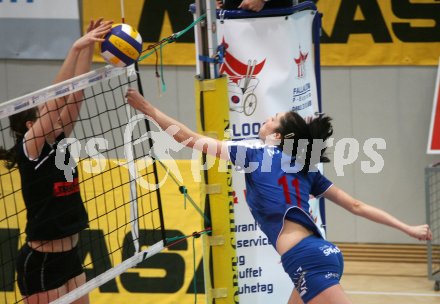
117 180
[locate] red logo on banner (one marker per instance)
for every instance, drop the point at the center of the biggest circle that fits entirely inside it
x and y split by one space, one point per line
300 62
434 131
237 69
242 82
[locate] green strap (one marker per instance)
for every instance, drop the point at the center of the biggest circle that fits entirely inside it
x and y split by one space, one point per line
184 191
171 38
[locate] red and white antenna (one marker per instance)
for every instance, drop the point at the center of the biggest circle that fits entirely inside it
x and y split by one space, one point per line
122 11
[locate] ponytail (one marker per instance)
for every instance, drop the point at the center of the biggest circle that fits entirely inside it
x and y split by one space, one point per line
294 127
9 156
321 128
17 123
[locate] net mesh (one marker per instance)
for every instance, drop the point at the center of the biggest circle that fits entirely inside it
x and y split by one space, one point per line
109 153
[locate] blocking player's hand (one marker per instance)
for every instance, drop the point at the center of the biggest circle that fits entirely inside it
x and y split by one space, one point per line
95 33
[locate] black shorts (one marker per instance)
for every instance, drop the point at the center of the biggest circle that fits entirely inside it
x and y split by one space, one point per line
42 271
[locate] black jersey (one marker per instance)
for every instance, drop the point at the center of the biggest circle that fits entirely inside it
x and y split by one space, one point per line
54 205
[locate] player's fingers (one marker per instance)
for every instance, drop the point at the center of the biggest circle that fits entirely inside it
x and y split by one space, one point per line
90 26
128 93
99 21
102 31
97 39
103 25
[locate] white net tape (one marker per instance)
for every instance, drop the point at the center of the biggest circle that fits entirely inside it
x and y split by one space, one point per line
62 89
110 274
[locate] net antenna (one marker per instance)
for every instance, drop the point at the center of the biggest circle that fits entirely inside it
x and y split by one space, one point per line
133 178
122 11
123 216
133 173
131 167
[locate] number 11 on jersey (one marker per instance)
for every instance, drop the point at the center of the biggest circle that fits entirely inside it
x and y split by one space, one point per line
295 183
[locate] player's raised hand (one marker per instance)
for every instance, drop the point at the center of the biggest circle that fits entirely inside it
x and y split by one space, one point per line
95 33
94 24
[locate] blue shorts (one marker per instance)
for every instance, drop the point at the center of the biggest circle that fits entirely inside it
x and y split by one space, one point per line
314 265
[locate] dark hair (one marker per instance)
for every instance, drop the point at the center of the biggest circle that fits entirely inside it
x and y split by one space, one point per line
293 127
17 123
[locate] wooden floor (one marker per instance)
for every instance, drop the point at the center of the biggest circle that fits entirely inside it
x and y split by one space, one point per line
387 275
388 283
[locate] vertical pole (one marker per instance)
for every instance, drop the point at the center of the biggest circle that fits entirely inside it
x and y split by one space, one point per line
219 256
211 29
206 38
202 47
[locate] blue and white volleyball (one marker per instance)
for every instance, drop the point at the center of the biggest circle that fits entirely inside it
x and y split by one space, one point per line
122 45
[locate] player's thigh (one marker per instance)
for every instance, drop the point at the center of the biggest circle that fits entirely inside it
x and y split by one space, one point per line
75 283
332 295
45 297
295 298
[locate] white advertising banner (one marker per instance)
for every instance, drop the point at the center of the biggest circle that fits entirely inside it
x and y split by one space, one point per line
271 68
38 29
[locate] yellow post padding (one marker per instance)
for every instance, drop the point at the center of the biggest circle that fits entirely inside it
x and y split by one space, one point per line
216 195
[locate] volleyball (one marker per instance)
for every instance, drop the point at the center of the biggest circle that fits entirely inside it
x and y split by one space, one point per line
122 45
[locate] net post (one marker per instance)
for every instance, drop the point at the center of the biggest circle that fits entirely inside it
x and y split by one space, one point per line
221 280
206 39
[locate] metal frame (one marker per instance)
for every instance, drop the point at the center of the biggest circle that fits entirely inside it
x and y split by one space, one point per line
432 188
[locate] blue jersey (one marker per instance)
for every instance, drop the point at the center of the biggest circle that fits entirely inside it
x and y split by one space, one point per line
275 190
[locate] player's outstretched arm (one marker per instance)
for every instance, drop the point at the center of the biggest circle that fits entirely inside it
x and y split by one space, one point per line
343 199
49 113
180 132
70 111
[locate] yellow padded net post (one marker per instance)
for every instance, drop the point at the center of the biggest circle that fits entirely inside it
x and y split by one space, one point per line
220 262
